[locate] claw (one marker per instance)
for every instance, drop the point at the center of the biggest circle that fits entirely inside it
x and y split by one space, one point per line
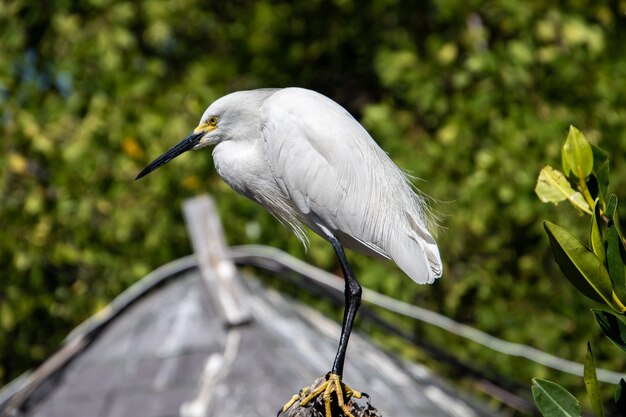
292 401
332 384
288 404
367 396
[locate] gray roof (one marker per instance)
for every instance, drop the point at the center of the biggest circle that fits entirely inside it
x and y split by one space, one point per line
163 352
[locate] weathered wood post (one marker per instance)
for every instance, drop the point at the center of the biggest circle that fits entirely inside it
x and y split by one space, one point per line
217 269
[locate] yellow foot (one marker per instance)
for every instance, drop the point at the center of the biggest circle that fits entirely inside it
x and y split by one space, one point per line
333 383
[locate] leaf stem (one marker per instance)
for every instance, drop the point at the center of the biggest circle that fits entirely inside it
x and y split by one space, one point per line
618 303
582 187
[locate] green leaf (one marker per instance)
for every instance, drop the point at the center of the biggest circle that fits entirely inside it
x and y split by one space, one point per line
611 206
580 266
553 187
591 383
595 233
565 164
615 254
601 173
578 153
612 326
600 156
553 400
620 397
600 170
615 260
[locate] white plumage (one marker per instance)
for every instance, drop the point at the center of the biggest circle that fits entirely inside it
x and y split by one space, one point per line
308 161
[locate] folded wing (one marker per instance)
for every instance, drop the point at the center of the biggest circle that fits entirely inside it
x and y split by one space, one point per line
336 175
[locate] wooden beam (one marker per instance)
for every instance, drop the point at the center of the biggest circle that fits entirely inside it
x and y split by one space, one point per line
217 269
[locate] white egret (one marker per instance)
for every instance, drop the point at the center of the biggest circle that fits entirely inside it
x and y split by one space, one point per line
309 162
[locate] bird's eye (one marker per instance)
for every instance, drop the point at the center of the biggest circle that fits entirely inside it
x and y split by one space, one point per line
212 121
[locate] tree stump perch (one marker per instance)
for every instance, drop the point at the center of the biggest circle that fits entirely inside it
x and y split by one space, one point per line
316 407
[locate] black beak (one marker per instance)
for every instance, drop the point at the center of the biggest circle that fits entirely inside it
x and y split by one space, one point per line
183 146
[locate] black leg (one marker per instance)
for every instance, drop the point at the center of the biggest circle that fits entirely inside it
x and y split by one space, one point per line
352 293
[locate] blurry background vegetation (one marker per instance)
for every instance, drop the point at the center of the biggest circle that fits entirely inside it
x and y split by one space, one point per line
473 96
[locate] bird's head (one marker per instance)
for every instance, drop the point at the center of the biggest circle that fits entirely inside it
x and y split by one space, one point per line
210 131
233 117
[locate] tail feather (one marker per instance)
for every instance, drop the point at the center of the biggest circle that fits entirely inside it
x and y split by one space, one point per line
418 257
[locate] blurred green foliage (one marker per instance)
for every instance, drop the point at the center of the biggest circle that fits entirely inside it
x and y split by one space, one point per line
472 96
